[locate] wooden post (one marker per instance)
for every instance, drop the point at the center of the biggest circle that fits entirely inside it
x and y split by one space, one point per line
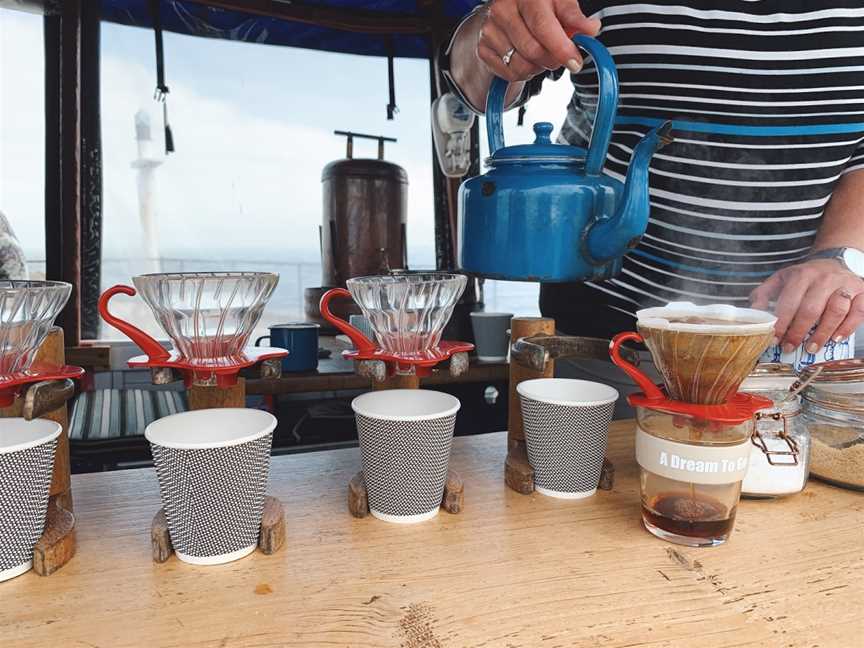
57 545
518 473
215 397
273 530
398 381
62 35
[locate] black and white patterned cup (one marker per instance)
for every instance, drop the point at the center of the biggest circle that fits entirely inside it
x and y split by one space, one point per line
566 431
405 438
491 335
26 464
213 466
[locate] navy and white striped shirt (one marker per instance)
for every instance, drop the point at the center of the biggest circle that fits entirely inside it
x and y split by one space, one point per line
767 100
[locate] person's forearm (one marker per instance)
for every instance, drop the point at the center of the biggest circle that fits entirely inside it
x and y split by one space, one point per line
843 220
469 72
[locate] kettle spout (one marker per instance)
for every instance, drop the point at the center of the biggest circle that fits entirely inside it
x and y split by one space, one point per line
610 238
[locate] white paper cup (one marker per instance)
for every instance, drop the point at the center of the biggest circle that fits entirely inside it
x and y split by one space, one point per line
213 466
566 432
26 465
405 438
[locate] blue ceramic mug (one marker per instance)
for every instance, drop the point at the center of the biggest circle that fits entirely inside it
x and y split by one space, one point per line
301 341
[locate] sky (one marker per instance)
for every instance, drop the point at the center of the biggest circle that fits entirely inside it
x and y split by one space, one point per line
252 125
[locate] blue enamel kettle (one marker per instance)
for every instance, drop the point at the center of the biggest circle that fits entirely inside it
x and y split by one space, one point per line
544 211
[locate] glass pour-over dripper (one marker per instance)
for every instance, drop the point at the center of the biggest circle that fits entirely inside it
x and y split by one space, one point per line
209 317
407 312
27 313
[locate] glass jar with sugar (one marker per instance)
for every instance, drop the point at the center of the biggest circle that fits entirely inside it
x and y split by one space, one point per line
782 467
833 405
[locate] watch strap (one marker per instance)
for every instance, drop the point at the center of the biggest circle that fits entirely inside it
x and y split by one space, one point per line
828 253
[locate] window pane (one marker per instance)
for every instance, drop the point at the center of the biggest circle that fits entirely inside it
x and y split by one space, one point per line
22 135
252 126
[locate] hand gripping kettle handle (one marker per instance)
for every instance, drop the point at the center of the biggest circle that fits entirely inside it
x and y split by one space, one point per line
645 383
607 106
361 342
147 344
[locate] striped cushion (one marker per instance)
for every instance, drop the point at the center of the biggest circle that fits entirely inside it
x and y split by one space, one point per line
107 414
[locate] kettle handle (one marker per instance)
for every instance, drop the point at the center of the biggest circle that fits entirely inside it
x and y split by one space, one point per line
607 106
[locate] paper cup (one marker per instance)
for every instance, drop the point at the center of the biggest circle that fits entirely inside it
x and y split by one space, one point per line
491 335
26 464
213 466
566 431
405 438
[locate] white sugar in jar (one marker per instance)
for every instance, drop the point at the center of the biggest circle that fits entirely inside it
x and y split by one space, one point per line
783 467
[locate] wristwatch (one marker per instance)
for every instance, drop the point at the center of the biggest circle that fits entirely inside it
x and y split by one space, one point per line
851 258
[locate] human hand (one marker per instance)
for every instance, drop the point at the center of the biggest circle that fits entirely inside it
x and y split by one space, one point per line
539 34
819 293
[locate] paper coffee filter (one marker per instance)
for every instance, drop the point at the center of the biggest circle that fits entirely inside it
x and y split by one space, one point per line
741 321
704 363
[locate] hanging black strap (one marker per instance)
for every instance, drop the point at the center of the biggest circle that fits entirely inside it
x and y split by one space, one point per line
392 109
162 90
520 120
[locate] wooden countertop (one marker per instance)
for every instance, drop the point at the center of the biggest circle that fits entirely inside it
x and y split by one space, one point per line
511 571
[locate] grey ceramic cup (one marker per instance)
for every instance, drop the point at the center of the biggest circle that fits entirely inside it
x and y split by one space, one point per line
491 335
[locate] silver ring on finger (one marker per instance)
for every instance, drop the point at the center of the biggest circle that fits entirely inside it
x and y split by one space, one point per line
508 56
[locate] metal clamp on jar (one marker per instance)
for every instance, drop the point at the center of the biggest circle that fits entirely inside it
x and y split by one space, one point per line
833 411
782 466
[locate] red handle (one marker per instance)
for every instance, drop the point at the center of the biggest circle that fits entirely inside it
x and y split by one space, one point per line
148 345
645 383
361 342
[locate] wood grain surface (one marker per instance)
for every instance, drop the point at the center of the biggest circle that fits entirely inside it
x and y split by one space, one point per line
511 571
208 397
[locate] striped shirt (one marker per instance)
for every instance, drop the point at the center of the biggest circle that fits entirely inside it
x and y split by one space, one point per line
767 103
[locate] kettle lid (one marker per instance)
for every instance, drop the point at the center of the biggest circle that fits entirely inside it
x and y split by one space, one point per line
542 150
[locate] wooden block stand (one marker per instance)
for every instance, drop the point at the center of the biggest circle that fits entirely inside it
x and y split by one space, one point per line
57 545
454 489
272 535
518 473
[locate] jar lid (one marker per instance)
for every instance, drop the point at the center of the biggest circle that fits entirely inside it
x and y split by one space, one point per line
839 385
782 369
770 377
835 371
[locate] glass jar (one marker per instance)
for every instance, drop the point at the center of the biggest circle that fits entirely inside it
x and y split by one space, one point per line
691 470
782 466
833 411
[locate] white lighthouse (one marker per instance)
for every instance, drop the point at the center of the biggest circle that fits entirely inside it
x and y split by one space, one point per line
146 165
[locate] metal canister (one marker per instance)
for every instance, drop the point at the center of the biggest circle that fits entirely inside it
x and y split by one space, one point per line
781 468
364 215
833 405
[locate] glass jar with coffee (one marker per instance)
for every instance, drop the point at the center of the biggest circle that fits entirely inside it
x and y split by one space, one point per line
692 458
692 461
